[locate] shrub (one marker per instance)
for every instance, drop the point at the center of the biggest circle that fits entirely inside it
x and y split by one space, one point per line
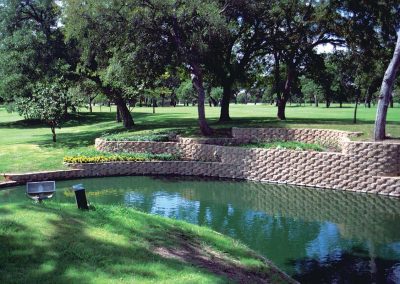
94 156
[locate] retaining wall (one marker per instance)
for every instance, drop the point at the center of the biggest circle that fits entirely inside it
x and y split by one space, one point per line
359 166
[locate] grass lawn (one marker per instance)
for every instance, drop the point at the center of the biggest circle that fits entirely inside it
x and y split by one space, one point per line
56 243
26 147
290 145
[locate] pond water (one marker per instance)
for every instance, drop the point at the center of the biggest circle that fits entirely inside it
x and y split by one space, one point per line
316 236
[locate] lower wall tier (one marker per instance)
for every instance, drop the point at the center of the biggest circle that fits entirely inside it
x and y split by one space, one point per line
351 182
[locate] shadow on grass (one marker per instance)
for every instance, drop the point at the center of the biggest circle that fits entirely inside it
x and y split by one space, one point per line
350 267
68 246
147 121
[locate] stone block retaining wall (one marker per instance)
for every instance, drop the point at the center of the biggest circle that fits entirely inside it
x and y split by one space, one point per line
320 136
360 166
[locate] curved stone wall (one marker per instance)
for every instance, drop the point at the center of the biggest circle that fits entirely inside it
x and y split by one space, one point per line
360 166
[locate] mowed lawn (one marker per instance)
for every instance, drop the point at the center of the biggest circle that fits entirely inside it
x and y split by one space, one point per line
28 146
56 243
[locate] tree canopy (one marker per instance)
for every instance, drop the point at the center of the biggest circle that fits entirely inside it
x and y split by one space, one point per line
134 51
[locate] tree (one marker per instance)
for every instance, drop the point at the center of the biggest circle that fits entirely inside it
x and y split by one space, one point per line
298 27
85 92
235 50
312 90
32 49
98 29
47 103
186 92
386 93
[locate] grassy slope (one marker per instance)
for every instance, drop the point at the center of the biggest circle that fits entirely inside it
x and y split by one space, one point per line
26 147
56 243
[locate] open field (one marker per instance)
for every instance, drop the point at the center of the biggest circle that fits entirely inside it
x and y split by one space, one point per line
28 147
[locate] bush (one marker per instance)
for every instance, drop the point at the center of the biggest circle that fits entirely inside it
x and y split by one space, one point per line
94 156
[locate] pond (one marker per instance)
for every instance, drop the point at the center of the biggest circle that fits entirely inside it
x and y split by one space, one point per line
316 236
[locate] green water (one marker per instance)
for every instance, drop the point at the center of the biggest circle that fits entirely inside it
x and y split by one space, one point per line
317 236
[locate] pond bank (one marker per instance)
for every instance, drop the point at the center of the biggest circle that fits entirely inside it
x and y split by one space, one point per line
55 242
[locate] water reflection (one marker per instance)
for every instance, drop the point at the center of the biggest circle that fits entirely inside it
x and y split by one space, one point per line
317 236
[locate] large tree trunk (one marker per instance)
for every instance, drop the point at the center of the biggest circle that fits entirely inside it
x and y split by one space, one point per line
277 75
281 108
118 100
123 110
226 99
197 81
118 115
386 93
286 93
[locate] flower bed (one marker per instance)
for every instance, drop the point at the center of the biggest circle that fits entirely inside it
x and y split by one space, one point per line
94 156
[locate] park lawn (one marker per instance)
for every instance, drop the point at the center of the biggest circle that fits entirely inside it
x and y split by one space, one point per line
57 243
28 147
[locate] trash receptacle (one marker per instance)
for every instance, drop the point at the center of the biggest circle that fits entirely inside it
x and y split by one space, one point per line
80 196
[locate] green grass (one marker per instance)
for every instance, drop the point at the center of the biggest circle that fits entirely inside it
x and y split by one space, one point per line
94 156
28 147
57 243
149 136
290 145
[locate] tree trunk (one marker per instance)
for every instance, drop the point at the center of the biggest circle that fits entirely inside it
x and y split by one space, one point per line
277 75
391 101
226 98
358 93
386 93
90 105
281 108
368 98
197 81
328 103
118 115
124 112
286 93
53 131
316 100
154 103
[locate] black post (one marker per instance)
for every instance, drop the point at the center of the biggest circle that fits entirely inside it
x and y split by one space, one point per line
80 196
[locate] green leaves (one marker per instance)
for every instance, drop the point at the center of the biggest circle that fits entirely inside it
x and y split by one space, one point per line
48 102
94 156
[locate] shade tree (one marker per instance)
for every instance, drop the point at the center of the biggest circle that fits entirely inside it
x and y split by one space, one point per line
97 28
